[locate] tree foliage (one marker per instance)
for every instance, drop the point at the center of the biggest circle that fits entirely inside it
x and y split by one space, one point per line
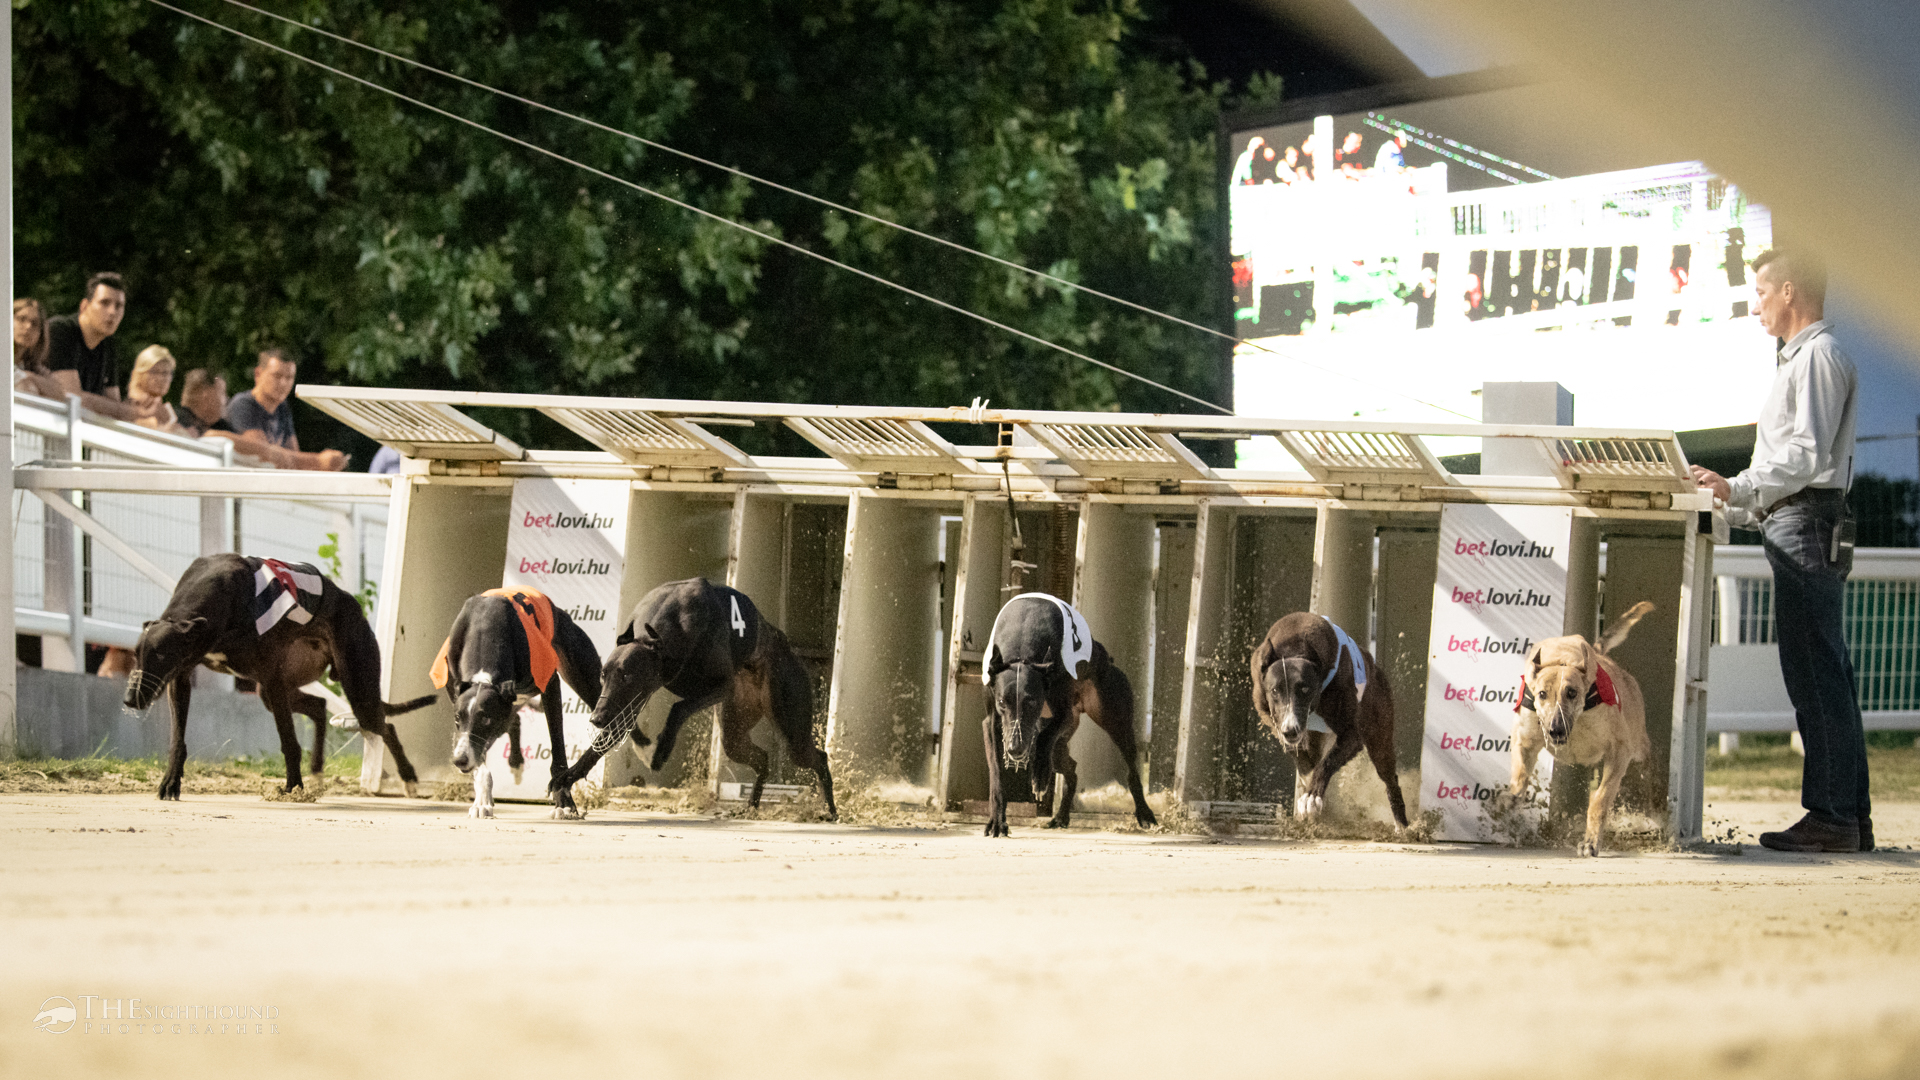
251 198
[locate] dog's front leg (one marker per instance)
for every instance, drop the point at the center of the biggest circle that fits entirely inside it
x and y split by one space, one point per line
996 794
1527 744
482 791
677 716
560 782
516 758
1346 746
1600 803
179 697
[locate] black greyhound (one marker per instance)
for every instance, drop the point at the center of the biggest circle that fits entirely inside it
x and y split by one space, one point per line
1043 671
707 644
506 647
1307 665
280 625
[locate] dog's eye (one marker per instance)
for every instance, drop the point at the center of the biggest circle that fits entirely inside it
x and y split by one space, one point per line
1570 695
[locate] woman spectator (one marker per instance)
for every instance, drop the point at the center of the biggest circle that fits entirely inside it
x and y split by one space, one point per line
151 379
30 350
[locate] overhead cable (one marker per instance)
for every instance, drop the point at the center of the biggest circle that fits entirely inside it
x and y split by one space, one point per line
684 205
821 200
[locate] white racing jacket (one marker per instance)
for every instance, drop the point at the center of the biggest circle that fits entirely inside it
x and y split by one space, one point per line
1075 650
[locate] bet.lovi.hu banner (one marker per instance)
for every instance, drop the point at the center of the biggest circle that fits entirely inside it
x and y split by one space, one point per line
1501 587
566 539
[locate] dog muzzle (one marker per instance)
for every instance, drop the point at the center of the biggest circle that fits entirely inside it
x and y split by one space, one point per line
466 757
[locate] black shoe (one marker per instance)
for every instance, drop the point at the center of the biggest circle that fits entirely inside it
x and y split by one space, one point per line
1808 834
1866 834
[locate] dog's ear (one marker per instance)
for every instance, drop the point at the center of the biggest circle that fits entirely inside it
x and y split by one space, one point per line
188 626
1533 659
648 633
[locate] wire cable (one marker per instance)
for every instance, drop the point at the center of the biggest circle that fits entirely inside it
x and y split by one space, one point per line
823 201
682 204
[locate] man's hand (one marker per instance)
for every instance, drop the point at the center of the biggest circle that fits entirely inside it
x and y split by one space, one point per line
151 409
1713 482
332 460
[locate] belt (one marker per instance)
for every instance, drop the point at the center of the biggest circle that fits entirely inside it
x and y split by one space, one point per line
1814 496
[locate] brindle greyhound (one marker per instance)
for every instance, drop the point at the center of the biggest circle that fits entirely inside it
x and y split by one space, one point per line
508 646
1043 671
1307 665
279 624
707 644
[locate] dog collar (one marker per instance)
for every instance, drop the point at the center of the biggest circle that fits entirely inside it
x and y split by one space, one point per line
1600 693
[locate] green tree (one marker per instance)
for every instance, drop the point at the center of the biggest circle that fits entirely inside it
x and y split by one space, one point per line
252 199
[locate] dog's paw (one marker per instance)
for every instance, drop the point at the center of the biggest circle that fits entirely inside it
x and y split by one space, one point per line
1589 848
478 811
413 789
567 813
1308 806
1145 819
517 770
1055 823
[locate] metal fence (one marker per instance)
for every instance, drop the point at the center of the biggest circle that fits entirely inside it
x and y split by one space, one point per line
1882 619
170 531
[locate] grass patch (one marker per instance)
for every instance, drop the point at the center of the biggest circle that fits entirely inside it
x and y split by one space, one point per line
111 776
1769 769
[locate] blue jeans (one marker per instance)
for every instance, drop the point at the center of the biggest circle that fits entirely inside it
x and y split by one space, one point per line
1809 598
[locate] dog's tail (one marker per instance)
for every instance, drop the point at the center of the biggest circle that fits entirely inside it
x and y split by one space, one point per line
1622 626
420 702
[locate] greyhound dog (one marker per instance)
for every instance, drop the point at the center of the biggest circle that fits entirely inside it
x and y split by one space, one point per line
1306 666
707 644
1580 705
1043 671
279 624
507 649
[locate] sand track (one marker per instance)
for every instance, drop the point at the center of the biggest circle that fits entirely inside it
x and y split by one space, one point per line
401 936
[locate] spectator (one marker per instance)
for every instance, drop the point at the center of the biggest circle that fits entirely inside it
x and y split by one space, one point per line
81 354
204 399
385 460
152 378
30 350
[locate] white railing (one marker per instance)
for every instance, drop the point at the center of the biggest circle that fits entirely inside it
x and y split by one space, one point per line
1883 636
56 559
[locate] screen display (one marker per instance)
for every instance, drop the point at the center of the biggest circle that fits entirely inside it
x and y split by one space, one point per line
1388 262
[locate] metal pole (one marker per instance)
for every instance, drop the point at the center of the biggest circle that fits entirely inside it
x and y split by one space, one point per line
9 729
77 582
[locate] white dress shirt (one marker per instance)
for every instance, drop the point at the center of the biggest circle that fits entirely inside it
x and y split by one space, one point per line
1805 433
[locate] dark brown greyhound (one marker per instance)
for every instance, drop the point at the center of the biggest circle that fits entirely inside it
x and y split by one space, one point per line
282 625
1307 665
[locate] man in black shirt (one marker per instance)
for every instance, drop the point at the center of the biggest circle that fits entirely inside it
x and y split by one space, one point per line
81 353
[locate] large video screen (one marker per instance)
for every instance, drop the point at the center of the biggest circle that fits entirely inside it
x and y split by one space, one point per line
1388 262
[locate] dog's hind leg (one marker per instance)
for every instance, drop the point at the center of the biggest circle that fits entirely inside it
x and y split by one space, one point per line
1376 730
516 758
314 707
179 697
790 696
559 780
736 738
1108 700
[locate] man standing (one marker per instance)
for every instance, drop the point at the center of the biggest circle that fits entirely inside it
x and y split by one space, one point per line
267 409
1797 491
81 354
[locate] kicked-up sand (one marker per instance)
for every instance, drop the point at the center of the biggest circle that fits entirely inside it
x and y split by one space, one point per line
368 936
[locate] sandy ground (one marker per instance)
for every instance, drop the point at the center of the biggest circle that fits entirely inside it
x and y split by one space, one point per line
400 937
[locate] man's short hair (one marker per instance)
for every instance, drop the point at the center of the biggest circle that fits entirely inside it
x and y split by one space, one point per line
273 353
1805 270
104 277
